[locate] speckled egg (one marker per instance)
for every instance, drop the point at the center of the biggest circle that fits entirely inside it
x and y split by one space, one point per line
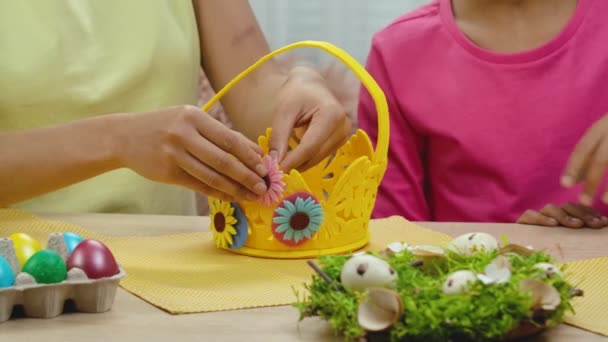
365 271
473 243
458 282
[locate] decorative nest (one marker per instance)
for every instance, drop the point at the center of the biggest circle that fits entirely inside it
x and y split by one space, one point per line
470 289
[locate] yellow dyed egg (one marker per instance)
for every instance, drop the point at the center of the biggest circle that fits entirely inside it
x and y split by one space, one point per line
25 246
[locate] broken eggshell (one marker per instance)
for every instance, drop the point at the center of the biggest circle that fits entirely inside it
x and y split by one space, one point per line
516 249
362 272
380 309
496 272
398 247
458 282
472 243
428 251
548 269
544 295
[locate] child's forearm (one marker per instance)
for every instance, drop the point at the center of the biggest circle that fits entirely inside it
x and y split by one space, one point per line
38 161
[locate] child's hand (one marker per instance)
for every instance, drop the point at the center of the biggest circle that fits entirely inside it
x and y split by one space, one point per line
569 215
588 162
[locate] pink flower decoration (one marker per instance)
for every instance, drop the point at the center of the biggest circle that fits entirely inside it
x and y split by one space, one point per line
274 182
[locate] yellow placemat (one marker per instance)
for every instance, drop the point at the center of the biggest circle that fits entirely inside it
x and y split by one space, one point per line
185 273
591 310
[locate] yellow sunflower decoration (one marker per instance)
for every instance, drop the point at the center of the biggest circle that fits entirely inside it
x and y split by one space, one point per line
222 223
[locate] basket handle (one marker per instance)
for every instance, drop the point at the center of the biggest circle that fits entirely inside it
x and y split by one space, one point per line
366 79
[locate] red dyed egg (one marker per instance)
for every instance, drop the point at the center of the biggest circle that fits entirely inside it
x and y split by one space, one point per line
94 258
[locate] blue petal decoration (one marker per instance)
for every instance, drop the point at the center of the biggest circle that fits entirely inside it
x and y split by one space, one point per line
284 212
241 227
308 233
298 235
298 203
309 204
290 207
280 219
288 234
282 228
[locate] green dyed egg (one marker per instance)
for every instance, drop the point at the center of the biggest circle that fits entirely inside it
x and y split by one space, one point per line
47 267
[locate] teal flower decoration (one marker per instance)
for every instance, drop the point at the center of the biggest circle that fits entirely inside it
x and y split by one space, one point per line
297 219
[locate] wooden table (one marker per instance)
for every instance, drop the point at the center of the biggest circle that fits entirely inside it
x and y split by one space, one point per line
133 319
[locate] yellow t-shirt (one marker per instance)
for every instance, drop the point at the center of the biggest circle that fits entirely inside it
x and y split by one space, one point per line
64 60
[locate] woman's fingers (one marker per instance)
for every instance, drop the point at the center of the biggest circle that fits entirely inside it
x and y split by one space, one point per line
232 143
185 179
213 179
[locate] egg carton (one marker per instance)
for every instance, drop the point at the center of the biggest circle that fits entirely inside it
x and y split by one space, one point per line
48 300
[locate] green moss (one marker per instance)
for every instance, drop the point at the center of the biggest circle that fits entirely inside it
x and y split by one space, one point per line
483 312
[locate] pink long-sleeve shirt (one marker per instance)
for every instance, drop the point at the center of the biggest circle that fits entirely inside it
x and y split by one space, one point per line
478 136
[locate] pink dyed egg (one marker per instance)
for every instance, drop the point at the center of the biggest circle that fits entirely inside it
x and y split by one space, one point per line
94 258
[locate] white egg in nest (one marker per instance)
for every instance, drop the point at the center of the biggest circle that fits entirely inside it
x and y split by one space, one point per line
548 269
458 282
472 243
365 271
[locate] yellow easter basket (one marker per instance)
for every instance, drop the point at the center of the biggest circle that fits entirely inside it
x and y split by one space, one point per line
332 201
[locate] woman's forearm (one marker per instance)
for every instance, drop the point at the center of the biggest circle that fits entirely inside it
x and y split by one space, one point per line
231 40
37 161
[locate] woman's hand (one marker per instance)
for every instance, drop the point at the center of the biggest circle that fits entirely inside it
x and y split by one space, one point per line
305 106
569 215
185 146
588 162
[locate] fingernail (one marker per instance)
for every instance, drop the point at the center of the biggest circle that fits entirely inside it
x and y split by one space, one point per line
261 170
552 221
574 220
567 181
260 188
274 154
595 220
586 199
604 219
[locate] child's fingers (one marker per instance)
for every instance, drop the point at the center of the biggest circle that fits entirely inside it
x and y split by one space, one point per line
561 216
328 127
592 218
597 164
533 217
580 157
593 212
